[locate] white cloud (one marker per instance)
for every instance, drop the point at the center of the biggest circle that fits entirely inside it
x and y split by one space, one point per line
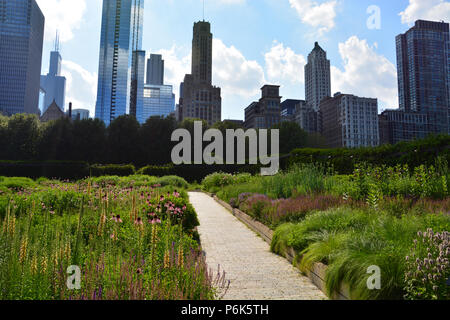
436 10
366 73
62 15
284 65
81 86
318 15
234 73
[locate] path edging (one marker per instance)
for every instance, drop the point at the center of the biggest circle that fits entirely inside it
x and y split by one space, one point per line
318 270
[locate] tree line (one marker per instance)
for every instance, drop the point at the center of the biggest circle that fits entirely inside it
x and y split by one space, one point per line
24 137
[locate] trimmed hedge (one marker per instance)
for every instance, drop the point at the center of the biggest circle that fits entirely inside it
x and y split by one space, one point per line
52 169
197 172
98 170
343 161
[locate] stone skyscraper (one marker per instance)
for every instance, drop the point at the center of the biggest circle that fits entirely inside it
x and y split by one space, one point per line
120 63
317 77
21 42
200 99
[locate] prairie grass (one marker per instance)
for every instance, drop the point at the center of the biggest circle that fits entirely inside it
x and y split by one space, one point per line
131 237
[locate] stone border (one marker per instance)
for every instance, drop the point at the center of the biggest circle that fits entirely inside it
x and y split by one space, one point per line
318 270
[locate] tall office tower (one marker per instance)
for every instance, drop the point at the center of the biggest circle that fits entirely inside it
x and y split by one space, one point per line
137 83
159 99
200 99
155 70
53 83
317 77
121 36
21 42
423 62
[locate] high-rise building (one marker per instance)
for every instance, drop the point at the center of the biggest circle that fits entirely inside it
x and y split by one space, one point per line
267 112
159 100
200 99
53 83
121 37
21 42
317 77
423 62
80 114
288 109
349 121
155 70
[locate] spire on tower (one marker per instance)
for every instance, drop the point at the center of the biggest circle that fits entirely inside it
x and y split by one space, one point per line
57 46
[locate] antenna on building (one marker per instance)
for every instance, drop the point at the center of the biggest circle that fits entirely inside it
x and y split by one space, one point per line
203 10
57 41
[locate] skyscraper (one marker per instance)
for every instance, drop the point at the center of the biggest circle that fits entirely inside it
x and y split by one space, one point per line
317 77
200 99
155 70
159 99
423 62
21 42
53 83
121 36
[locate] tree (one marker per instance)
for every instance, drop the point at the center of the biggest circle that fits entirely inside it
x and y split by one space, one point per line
123 139
292 136
56 141
155 136
23 134
89 141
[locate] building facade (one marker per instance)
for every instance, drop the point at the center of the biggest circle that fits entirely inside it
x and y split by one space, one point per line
265 113
53 83
288 109
21 42
307 118
121 36
349 121
423 62
317 77
155 70
80 114
159 100
199 98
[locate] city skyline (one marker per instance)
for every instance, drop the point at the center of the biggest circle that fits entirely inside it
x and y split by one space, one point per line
275 55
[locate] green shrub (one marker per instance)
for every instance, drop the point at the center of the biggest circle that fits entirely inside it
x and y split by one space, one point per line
172 181
112 170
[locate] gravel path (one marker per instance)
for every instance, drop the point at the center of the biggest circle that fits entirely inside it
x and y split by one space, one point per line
255 272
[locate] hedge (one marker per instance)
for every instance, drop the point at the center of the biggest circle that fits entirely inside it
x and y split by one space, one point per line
196 173
49 169
411 153
98 170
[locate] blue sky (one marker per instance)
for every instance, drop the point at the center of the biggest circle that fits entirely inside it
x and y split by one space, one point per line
255 42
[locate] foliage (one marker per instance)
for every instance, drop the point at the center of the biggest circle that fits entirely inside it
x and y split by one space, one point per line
112 170
130 242
427 268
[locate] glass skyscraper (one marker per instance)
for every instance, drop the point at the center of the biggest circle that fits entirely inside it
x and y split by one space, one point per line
121 36
423 58
21 42
159 100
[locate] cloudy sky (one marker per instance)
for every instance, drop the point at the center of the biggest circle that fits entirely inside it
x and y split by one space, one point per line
255 42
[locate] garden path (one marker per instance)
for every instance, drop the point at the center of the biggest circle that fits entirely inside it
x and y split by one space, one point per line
254 271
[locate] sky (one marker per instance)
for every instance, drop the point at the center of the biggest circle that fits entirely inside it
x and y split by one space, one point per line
256 42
